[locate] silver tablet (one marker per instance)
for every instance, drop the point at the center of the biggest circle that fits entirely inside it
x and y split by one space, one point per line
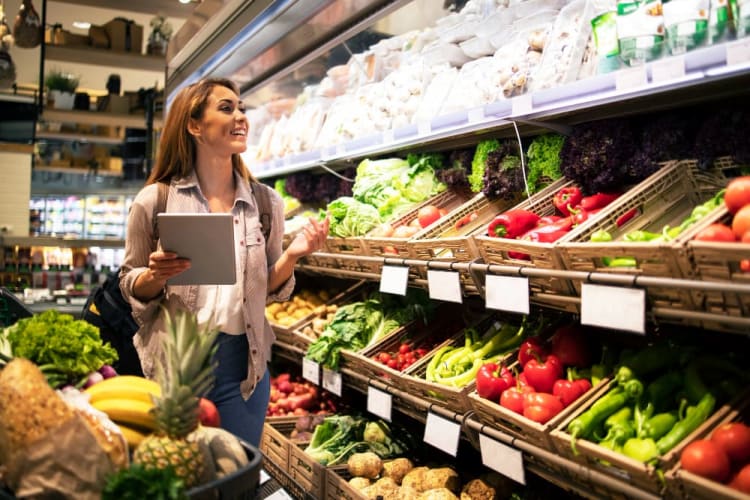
207 240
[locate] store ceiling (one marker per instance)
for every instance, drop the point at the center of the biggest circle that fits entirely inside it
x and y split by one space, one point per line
169 8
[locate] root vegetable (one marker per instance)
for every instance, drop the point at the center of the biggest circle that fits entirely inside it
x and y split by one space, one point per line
397 468
437 494
359 483
442 477
366 464
383 487
477 489
415 479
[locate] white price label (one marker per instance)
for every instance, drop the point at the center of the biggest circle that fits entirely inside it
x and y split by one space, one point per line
311 371
332 381
388 137
738 52
521 105
379 403
263 477
441 433
444 285
503 459
614 307
507 293
475 115
280 494
630 78
393 279
424 128
665 70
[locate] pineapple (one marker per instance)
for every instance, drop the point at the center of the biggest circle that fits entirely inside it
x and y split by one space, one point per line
185 375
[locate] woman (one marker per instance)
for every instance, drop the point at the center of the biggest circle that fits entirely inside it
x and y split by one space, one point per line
199 157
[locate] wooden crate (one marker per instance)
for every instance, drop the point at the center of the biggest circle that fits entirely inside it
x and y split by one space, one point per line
518 426
274 443
389 247
443 241
306 472
645 476
337 485
720 262
665 198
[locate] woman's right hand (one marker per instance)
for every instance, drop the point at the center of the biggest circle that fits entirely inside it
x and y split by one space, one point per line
161 266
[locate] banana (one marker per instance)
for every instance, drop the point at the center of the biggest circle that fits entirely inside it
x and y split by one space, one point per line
124 387
128 412
132 436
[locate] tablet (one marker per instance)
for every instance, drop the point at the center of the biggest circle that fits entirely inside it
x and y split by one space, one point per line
207 240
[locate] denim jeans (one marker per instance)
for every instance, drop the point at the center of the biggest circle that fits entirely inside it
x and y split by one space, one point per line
242 418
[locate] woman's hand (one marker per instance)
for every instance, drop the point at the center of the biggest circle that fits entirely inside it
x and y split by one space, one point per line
311 239
161 267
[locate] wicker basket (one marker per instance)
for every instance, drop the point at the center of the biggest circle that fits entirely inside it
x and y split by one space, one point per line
646 477
443 241
665 198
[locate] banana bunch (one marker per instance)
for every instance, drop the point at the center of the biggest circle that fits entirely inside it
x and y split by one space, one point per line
128 401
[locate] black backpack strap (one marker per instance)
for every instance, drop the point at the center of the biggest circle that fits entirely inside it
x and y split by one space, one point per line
263 200
160 207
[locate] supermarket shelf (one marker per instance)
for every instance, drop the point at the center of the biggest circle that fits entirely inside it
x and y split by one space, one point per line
97 118
76 170
105 57
68 136
708 72
59 241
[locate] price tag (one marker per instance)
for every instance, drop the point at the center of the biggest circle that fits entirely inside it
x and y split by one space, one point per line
501 458
507 293
521 105
614 307
263 477
475 114
61 301
279 494
424 128
441 433
444 285
311 371
379 403
738 52
332 381
394 279
671 68
388 137
630 78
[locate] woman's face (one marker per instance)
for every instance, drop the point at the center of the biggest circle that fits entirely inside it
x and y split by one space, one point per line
223 127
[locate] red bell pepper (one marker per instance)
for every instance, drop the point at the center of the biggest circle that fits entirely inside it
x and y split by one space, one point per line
492 380
627 216
532 347
580 216
570 390
567 198
570 345
541 407
466 219
512 224
549 233
542 374
598 200
548 219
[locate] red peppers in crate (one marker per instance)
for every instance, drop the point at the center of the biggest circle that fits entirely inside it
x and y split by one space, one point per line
567 198
598 200
512 224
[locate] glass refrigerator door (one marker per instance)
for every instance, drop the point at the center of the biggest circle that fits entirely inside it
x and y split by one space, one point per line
105 216
63 215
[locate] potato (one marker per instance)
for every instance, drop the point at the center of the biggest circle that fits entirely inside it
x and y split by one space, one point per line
437 494
397 468
359 483
442 477
415 479
366 464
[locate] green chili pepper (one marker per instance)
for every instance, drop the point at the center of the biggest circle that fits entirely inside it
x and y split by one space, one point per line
658 425
585 423
644 450
620 262
598 372
648 360
640 415
619 427
661 392
601 236
694 386
634 388
640 236
694 417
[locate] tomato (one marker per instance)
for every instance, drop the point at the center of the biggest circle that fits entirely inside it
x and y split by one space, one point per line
742 480
707 459
716 232
737 194
741 221
415 223
384 230
443 211
404 348
512 399
734 439
427 215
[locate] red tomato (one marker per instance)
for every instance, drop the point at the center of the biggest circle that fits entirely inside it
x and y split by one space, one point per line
742 480
512 399
443 211
745 238
716 232
427 215
737 194
741 221
734 439
707 459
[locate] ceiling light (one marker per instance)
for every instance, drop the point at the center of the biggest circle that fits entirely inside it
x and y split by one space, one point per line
81 25
185 1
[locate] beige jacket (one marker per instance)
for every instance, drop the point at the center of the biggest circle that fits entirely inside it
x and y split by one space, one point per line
185 196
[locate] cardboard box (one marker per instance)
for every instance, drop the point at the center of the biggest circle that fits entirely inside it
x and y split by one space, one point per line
98 37
124 35
55 35
117 104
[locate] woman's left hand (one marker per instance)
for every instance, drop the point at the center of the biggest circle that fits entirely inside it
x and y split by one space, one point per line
310 239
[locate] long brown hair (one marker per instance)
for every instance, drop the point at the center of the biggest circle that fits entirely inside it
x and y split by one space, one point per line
176 153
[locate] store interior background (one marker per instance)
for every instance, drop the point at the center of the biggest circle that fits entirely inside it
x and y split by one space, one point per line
16 163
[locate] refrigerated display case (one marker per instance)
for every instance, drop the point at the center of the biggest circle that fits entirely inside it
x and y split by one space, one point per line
81 216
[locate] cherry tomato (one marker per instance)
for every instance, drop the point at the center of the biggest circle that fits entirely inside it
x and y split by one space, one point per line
707 459
384 357
404 348
427 215
741 221
716 232
393 364
742 480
